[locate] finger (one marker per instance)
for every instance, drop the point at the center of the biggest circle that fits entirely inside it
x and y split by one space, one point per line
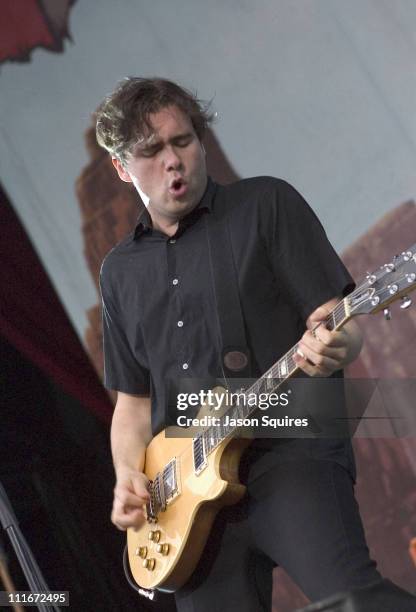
322 334
318 315
129 499
125 521
312 343
309 368
331 338
124 517
340 338
123 489
140 484
135 485
324 363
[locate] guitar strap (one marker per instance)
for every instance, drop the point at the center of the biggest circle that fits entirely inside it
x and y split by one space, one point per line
235 355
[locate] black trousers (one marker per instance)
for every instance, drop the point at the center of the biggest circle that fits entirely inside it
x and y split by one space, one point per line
301 515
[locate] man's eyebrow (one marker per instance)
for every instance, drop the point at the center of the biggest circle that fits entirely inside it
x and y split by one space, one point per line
147 143
181 135
153 142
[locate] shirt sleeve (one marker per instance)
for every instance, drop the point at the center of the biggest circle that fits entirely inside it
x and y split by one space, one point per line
305 264
122 371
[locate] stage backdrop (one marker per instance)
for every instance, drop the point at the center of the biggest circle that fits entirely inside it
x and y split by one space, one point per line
319 92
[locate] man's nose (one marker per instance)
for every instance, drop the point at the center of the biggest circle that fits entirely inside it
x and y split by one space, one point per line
173 160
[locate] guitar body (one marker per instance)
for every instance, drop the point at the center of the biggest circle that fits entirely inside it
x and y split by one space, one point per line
185 524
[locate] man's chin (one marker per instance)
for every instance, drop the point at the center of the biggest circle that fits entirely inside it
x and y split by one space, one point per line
181 205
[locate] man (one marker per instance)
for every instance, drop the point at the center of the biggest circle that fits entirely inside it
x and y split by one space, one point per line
160 323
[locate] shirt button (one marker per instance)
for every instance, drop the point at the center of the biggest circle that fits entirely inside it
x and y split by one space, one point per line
180 323
175 281
172 241
185 366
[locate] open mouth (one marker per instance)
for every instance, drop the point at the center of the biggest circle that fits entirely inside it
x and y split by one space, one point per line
178 187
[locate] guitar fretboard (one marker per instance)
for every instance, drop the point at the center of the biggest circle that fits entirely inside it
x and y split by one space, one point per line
269 382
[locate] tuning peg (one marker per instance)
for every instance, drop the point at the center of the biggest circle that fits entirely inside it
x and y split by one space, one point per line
387 314
406 302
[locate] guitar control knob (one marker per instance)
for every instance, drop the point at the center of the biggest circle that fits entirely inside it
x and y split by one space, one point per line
163 549
141 551
149 564
154 535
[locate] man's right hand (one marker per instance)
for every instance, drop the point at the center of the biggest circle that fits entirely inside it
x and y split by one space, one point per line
130 497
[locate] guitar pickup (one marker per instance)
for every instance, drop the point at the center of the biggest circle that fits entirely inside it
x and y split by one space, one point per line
200 458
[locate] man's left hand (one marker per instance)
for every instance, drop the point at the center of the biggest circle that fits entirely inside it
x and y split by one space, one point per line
324 351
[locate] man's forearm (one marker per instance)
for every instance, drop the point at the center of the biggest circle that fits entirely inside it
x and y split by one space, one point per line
130 432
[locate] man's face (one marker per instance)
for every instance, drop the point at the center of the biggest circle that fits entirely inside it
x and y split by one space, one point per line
168 166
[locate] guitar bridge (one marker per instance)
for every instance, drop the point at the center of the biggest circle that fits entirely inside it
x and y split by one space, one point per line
163 490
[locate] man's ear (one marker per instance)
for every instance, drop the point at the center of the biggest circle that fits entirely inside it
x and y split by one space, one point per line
121 171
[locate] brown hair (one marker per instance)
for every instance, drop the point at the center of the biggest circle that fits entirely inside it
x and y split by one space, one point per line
122 119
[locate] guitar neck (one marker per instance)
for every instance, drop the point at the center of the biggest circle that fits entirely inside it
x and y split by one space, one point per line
268 383
286 367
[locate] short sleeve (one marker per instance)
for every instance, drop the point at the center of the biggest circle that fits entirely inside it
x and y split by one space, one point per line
122 371
305 264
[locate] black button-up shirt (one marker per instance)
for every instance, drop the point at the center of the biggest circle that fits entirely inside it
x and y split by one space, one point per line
159 310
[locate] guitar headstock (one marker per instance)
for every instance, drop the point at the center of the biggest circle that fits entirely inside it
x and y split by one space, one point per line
391 282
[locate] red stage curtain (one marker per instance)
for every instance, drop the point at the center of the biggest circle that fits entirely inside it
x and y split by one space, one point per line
27 24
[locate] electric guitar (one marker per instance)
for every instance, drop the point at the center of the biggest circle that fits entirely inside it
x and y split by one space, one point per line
192 478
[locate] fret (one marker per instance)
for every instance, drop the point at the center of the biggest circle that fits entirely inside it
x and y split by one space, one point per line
254 388
221 430
263 385
233 413
275 370
283 368
245 410
239 411
340 312
331 321
337 316
290 362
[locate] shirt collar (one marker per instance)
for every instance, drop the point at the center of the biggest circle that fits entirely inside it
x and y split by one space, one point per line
144 221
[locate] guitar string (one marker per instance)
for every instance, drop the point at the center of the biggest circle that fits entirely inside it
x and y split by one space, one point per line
338 310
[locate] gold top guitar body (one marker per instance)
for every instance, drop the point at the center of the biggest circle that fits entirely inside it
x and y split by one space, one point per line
164 553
